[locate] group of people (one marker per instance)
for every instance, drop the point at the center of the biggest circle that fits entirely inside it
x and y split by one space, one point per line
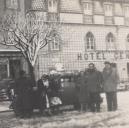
45 96
90 83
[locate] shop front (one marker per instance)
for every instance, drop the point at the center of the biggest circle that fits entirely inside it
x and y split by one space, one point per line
10 64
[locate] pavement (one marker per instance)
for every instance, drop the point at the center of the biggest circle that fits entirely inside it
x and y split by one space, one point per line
73 119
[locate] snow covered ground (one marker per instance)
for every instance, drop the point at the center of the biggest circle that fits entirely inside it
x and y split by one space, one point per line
74 119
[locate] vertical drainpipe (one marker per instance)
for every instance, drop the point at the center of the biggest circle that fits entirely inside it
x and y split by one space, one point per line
8 68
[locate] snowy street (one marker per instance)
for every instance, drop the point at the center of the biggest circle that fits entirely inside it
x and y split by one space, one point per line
74 119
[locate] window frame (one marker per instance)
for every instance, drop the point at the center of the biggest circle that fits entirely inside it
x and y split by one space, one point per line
88 8
127 38
127 41
54 6
110 41
90 42
11 6
108 9
57 41
126 11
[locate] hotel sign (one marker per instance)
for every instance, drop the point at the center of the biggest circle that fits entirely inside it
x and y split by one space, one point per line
103 55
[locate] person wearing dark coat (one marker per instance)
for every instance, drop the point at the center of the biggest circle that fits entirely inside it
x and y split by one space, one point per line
43 92
23 90
82 92
111 79
94 81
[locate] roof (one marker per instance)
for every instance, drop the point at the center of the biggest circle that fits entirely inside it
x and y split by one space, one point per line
39 4
67 5
70 6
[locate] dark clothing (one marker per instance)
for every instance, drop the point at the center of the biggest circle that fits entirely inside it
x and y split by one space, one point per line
82 92
95 101
23 90
111 101
94 81
42 93
111 79
55 85
82 89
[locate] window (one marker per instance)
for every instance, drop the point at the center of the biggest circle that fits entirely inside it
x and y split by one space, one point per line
108 9
118 9
3 68
54 43
52 6
87 7
126 11
98 8
110 41
128 38
12 4
90 41
8 37
127 42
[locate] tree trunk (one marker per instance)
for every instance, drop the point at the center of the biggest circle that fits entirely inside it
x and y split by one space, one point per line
31 73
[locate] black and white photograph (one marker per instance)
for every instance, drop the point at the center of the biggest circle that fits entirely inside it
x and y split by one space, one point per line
64 63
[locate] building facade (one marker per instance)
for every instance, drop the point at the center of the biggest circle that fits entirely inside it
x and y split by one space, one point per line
11 60
90 31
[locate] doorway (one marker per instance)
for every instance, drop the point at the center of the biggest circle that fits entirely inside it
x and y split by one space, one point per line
14 68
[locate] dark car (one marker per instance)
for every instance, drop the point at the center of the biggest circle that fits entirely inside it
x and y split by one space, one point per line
68 91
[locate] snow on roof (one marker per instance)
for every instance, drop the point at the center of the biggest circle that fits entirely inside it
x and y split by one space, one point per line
70 5
67 5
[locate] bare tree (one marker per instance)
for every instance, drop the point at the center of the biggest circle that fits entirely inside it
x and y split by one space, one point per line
27 36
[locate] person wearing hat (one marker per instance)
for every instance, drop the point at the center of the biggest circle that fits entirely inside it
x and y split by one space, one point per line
93 82
110 81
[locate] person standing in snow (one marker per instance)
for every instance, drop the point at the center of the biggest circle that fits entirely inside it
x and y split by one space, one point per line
94 82
111 79
82 91
43 87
